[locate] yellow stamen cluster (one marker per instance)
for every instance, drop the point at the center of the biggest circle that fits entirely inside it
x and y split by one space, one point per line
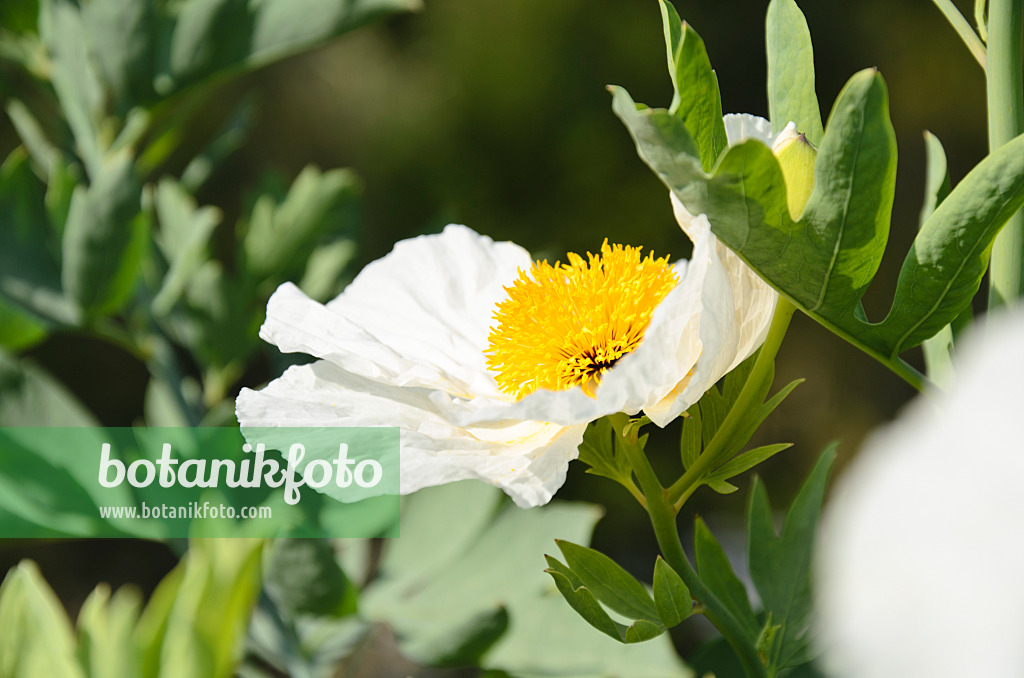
566 325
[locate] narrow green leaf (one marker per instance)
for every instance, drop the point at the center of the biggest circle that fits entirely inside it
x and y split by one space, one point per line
720 486
697 100
184 236
938 350
106 626
791 94
690 440
943 271
105 238
643 630
747 461
612 585
599 450
671 596
780 565
581 599
716 572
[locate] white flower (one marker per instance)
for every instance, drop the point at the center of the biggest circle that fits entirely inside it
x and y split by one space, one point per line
921 555
405 345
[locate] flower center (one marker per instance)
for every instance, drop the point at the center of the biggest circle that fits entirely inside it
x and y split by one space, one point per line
566 325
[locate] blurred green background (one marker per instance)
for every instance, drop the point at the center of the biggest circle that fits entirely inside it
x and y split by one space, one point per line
495 115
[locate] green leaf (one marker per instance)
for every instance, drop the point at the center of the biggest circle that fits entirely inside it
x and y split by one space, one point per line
279 237
106 629
612 585
697 100
791 94
302 576
105 238
582 600
671 596
600 449
204 631
183 239
29 274
938 349
944 268
31 397
74 76
780 566
121 36
690 440
327 268
35 634
443 573
717 574
747 461
824 261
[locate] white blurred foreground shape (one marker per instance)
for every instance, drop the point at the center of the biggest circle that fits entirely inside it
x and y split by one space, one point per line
920 569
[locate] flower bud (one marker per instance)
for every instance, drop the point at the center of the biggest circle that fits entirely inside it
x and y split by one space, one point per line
796 157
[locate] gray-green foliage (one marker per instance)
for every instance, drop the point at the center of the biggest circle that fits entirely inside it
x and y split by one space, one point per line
465 562
825 260
194 624
108 97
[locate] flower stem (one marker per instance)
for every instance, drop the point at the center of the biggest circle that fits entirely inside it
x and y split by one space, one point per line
963 28
1005 121
711 457
663 520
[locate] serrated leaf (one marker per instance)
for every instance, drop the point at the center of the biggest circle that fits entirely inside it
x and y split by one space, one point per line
716 572
612 585
943 271
780 565
791 95
697 101
671 596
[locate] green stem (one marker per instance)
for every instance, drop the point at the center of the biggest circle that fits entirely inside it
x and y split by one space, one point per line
663 520
711 457
963 28
1005 121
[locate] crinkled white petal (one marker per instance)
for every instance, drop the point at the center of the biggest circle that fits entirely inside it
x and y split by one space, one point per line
527 459
922 546
419 316
742 126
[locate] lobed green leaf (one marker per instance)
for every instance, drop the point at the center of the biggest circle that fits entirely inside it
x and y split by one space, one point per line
791 96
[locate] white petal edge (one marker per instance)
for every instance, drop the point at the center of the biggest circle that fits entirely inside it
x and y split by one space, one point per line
921 548
419 316
527 459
